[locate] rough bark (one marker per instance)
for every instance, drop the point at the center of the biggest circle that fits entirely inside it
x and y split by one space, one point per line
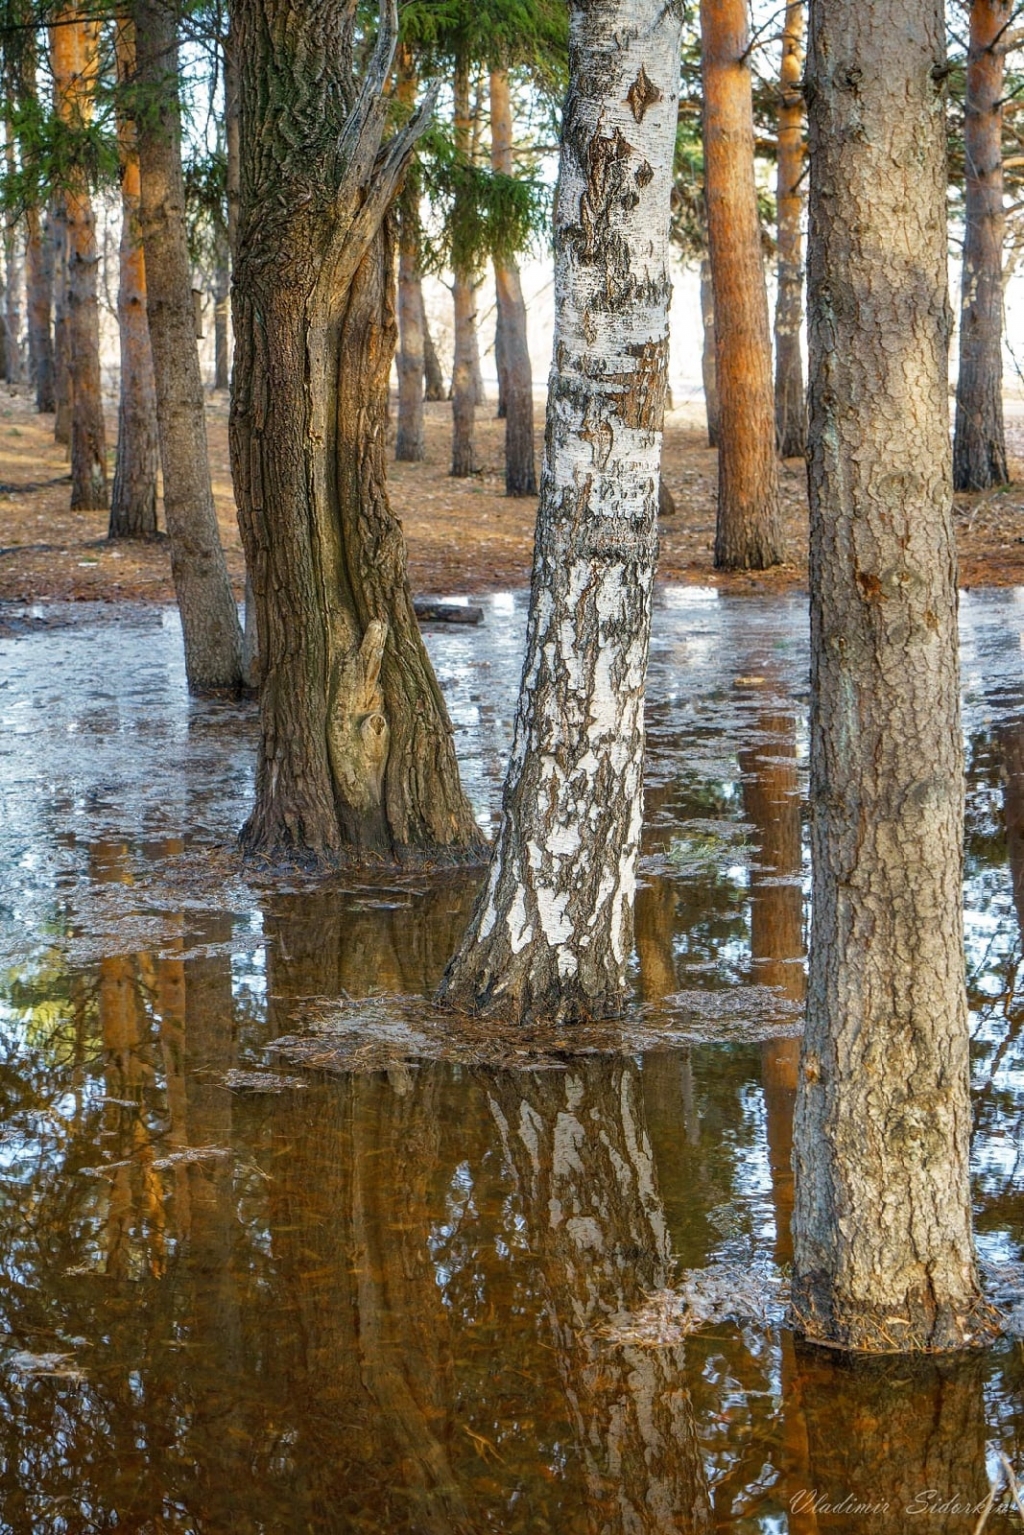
61 334
748 534
552 931
433 379
39 295
133 499
356 751
466 363
74 56
515 372
884 1255
979 442
708 368
409 444
790 398
209 618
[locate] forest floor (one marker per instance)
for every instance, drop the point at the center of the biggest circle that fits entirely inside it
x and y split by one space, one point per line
464 536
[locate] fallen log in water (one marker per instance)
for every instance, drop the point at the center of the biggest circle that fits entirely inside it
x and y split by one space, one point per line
430 611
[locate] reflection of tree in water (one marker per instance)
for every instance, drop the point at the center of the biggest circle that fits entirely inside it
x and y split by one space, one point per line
388 938
902 1440
585 1183
361 1339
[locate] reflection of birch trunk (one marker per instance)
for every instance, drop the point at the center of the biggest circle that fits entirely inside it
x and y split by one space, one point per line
771 799
577 1146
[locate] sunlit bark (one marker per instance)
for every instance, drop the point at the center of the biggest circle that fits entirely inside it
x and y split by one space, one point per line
749 529
552 932
883 1249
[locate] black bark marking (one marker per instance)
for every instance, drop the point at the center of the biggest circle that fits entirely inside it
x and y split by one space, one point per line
643 93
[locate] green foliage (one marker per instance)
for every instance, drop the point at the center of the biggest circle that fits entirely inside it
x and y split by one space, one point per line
206 206
479 214
533 34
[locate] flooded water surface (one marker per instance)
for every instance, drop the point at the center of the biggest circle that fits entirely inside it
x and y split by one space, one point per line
279 1254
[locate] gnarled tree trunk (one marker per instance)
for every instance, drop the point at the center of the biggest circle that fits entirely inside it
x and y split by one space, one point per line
790 400
209 618
552 932
883 1249
979 440
74 48
133 501
748 535
515 373
356 750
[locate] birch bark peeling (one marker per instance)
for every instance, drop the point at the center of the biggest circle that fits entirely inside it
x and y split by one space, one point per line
552 931
883 1250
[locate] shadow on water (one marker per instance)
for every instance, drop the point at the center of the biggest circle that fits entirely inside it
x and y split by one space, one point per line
242 1296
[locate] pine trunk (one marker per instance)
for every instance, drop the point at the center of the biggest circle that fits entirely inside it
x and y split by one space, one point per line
133 500
356 751
884 1254
979 442
409 445
61 329
209 618
74 51
790 399
553 928
433 379
515 390
748 535
39 295
13 266
466 362
13 281
709 371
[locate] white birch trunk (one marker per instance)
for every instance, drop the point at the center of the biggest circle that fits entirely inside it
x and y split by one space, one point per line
553 928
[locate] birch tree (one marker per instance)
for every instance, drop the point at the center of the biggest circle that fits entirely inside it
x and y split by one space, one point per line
883 1250
552 931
